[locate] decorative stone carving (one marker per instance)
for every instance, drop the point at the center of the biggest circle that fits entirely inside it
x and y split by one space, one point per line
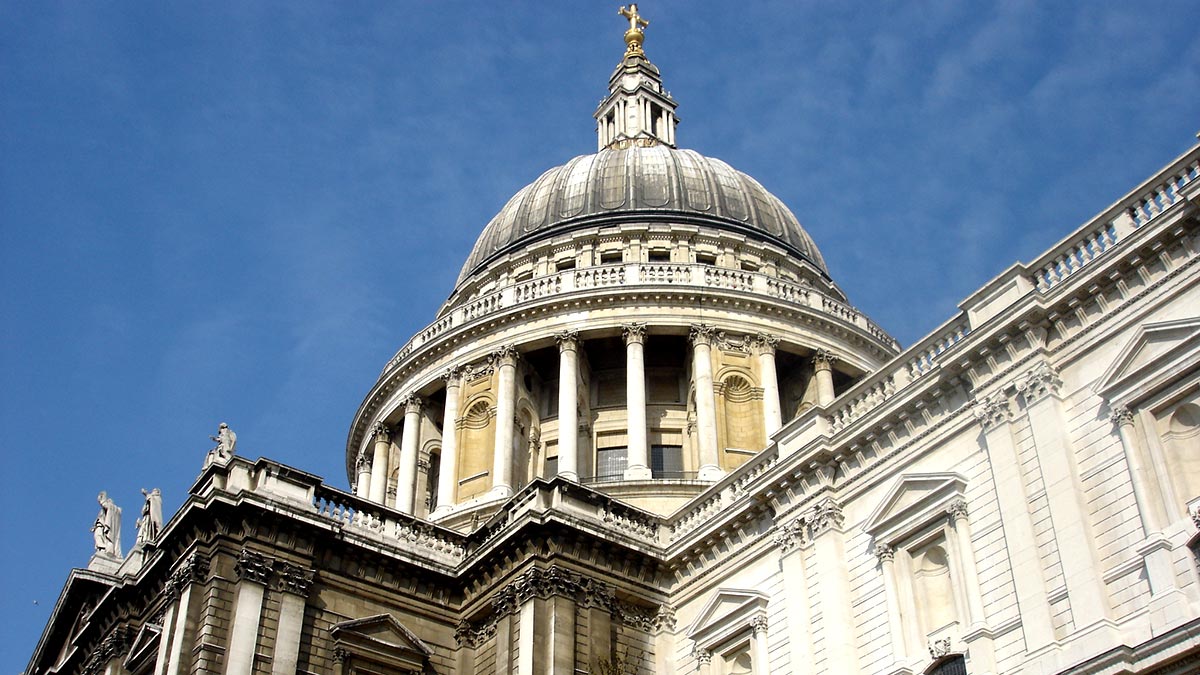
252 566
452 375
412 404
1040 382
792 534
825 516
340 654
362 463
380 432
293 579
957 509
758 625
992 411
567 340
505 355
106 529
823 359
885 552
702 334
939 648
150 523
702 656
113 646
664 619
763 343
634 333
193 569
1121 416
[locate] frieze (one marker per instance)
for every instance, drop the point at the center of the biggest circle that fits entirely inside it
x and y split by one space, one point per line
253 566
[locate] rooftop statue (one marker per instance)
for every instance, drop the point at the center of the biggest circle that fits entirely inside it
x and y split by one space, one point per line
106 530
150 524
226 444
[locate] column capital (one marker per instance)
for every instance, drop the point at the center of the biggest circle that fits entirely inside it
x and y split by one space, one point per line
634 333
452 376
381 433
293 579
823 359
505 355
885 552
1121 416
758 625
827 516
1039 383
793 534
363 461
702 656
763 343
702 334
957 509
992 411
412 404
253 566
568 341
193 569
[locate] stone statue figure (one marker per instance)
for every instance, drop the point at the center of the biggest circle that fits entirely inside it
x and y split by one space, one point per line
150 524
106 531
226 443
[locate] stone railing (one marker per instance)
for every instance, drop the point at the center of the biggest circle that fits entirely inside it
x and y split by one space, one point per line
1102 233
629 275
375 521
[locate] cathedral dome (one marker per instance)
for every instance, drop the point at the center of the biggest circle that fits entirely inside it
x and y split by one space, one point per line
636 183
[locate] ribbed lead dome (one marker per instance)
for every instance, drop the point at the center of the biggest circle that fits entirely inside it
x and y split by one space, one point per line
657 184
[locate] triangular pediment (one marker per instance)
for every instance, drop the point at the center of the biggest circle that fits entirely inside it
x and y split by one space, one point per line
1153 350
383 629
144 646
727 613
912 501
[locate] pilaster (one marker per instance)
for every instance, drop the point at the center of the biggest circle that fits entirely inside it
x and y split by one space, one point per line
293 583
254 573
833 594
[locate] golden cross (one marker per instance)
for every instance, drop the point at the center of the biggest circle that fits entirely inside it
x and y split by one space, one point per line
636 22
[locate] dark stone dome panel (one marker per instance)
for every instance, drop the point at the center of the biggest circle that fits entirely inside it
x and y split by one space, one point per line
654 180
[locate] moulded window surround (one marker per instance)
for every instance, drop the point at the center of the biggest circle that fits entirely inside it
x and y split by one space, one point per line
564 264
729 635
658 256
611 257
706 258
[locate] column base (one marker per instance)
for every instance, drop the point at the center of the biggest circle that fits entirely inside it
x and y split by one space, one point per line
500 492
710 472
638 473
569 475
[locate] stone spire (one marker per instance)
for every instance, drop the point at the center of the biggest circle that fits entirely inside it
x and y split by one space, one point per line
637 110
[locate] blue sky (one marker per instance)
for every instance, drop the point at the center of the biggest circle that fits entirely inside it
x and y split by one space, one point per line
239 211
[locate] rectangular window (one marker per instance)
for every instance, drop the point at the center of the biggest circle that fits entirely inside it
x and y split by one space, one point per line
565 264
611 463
706 258
608 257
659 256
666 461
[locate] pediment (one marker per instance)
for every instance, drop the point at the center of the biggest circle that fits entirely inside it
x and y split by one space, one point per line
912 501
379 632
1153 351
144 646
727 613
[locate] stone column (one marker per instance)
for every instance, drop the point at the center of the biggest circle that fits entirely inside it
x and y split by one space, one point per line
193 571
506 414
293 583
410 437
764 346
638 463
978 638
758 646
823 367
379 463
568 405
168 625
362 466
704 662
1166 597
1024 559
829 551
448 473
887 555
1064 494
254 572
793 541
706 409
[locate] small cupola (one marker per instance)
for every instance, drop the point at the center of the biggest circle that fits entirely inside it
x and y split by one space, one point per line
637 112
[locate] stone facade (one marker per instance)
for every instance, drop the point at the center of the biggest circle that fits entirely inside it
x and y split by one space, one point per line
656 443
